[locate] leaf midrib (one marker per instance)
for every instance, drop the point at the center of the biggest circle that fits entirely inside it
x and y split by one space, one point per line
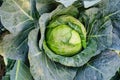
22 10
17 70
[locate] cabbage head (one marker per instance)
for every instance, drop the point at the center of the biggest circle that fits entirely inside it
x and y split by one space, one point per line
66 36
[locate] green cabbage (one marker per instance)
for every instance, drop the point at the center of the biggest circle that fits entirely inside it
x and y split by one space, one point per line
65 39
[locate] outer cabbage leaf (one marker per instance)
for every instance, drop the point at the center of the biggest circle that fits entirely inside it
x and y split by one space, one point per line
116 23
20 72
103 35
9 12
110 9
102 67
41 67
14 46
99 27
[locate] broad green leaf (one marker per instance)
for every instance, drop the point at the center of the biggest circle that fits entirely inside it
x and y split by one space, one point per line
116 41
101 67
103 35
98 27
116 29
41 67
14 46
14 13
20 72
110 8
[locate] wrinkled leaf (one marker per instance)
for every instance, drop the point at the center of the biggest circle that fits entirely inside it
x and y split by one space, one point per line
104 35
110 8
20 72
14 46
13 13
116 32
99 27
102 67
42 68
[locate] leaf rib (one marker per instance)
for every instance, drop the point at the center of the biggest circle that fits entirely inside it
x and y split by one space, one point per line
22 10
17 71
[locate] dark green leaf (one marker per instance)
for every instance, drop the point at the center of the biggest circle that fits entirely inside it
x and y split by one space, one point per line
110 8
14 12
116 77
14 46
99 27
103 35
102 67
34 12
20 72
116 32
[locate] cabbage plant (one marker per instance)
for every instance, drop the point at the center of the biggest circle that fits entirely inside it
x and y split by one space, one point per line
66 35
60 40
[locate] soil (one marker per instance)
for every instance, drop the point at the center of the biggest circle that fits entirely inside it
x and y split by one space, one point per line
2 67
